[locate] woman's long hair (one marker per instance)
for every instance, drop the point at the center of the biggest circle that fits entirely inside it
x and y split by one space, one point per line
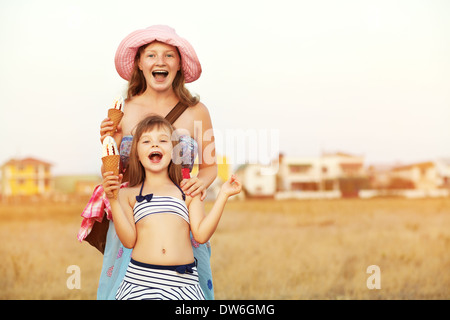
137 84
135 168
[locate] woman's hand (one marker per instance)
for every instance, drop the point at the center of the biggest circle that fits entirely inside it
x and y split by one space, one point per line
193 186
232 186
111 182
106 126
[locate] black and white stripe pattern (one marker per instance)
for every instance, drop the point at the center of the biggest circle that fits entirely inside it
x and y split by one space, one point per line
145 283
160 204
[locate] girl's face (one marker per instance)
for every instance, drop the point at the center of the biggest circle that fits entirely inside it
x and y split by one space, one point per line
154 149
159 63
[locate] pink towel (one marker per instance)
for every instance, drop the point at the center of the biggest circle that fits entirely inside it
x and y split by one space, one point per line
94 211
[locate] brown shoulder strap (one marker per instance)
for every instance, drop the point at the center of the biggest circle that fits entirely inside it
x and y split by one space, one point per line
173 115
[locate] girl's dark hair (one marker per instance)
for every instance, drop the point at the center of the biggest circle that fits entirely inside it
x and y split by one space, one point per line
135 168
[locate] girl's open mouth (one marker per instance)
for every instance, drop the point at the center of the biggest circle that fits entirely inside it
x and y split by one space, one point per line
160 75
155 156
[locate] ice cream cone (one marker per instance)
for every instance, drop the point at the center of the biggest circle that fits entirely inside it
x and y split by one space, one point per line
111 163
115 115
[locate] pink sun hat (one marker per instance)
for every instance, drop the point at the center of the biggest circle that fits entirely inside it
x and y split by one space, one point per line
126 52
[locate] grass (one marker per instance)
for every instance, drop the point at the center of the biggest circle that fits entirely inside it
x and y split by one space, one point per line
263 249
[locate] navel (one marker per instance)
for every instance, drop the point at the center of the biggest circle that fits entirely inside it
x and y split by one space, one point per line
163 251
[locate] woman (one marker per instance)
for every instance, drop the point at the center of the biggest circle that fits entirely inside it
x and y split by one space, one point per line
157 63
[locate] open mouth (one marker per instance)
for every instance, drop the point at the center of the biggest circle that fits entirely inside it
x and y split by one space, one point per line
160 75
155 156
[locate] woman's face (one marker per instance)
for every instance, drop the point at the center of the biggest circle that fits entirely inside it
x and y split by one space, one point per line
160 63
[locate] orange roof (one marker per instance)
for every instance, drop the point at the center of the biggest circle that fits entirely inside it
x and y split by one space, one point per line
340 154
351 165
26 161
420 165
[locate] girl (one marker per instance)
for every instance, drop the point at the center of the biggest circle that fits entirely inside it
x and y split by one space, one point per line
154 217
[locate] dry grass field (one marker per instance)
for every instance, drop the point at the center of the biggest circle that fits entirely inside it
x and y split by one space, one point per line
263 249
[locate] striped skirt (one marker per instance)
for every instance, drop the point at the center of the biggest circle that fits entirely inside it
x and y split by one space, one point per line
144 281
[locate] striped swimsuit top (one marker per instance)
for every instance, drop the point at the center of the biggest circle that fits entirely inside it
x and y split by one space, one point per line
150 204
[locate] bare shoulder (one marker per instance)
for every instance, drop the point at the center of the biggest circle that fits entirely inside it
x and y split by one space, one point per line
132 191
187 120
136 100
132 104
200 111
129 194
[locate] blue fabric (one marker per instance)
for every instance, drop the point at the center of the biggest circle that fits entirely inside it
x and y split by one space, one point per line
125 149
183 268
115 262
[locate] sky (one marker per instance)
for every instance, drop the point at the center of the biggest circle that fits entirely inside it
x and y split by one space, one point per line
370 78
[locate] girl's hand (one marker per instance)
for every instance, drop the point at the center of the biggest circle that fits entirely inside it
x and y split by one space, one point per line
106 126
232 186
111 182
193 186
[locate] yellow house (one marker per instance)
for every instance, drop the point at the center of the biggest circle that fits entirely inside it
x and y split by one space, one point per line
223 168
26 177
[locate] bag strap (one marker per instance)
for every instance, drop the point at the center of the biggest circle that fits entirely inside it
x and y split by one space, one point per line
173 115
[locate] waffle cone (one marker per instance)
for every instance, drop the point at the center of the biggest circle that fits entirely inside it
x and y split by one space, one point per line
111 163
115 115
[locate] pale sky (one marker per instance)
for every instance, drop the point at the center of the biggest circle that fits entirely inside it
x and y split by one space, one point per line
369 78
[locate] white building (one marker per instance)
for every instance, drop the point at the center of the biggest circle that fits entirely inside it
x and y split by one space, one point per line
329 172
330 175
422 175
416 180
257 180
338 175
429 175
443 172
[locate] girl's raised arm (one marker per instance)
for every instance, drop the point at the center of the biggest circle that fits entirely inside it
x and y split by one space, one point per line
203 226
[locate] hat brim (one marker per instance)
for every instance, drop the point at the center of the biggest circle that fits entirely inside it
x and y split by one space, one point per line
126 52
